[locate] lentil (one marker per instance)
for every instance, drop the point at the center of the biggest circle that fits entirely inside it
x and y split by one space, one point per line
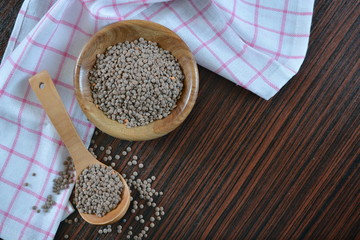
66 177
98 190
136 82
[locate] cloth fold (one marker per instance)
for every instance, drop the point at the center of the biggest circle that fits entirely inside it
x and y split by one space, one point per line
256 44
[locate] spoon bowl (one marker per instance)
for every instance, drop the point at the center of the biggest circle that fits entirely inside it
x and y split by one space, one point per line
45 90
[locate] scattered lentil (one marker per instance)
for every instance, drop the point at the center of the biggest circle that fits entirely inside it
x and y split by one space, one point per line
66 236
48 203
146 192
34 174
66 177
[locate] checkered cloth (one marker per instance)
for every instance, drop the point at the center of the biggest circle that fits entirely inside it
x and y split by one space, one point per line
257 44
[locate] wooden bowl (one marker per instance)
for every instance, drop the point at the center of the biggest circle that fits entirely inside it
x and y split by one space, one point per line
129 31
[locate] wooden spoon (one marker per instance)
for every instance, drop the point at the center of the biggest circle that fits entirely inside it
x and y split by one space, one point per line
45 90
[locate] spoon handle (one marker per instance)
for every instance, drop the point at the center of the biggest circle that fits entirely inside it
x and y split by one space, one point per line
46 92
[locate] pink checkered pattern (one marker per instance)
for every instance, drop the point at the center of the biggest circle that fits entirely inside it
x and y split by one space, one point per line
256 44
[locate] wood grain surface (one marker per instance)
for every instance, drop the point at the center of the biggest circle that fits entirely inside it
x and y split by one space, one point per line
240 167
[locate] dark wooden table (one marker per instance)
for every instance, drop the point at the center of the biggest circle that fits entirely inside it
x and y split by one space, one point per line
244 168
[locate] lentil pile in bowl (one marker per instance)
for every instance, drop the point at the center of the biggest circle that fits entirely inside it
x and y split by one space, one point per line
136 83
